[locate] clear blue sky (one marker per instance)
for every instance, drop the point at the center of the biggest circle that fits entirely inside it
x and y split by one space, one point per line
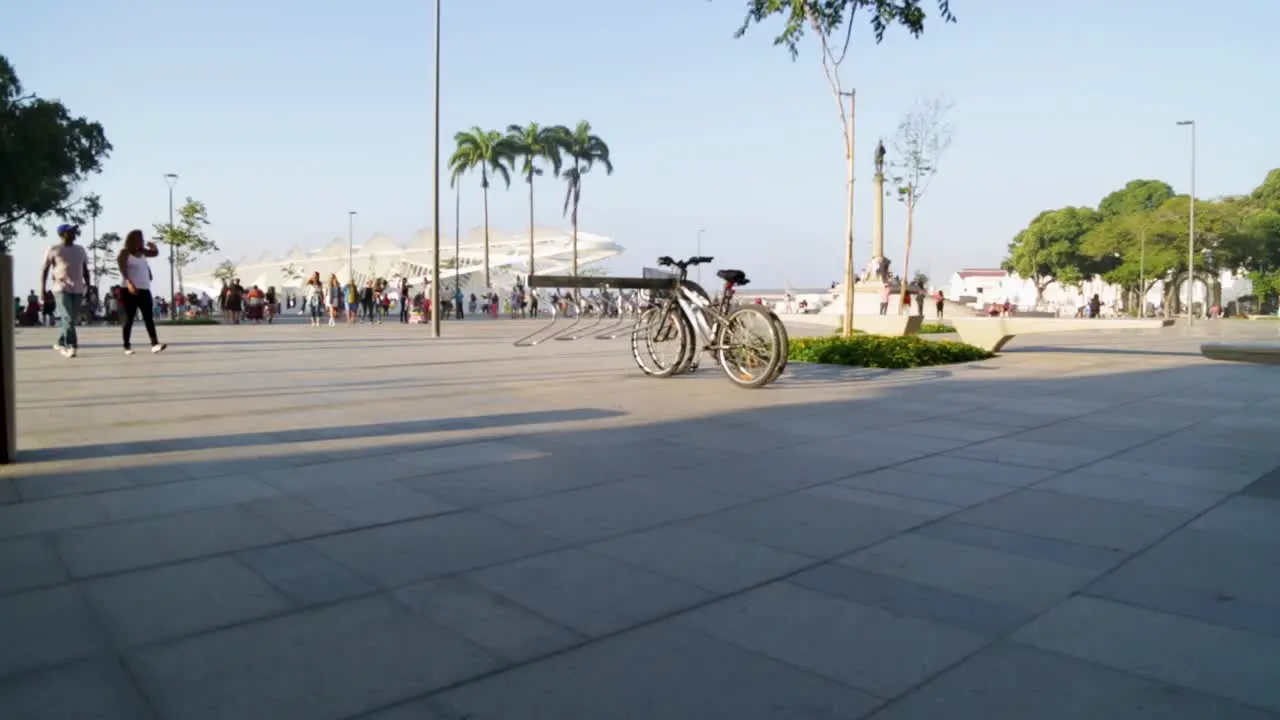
281 115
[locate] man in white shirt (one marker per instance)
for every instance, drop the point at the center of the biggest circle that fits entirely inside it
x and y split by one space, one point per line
70 266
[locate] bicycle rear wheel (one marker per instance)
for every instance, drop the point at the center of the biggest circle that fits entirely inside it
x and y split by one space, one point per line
749 347
786 345
659 341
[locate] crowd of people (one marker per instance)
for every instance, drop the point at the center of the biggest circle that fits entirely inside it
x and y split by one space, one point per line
72 299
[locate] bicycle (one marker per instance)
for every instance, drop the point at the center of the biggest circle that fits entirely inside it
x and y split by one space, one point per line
686 320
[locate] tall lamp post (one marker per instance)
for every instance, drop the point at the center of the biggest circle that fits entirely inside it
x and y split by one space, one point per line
435 193
700 233
1191 243
171 179
457 241
351 244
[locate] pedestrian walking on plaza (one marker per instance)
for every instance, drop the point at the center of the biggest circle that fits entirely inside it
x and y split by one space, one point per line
315 298
137 289
352 293
404 300
235 301
70 265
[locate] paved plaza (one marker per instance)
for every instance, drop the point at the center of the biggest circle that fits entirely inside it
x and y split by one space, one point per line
270 523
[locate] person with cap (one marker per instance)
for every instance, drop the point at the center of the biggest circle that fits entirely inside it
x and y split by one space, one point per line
70 265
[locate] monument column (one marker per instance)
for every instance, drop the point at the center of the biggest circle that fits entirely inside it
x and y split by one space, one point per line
877 219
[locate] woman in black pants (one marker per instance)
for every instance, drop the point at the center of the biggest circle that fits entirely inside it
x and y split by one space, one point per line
137 288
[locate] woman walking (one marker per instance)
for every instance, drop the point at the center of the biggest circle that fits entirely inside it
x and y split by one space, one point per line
315 298
335 299
137 288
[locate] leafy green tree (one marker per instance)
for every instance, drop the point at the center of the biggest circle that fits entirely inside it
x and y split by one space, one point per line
1267 195
1049 249
187 236
534 143
1137 196
104 249
45 152
583 149
828 20
489 152
923 136
225 272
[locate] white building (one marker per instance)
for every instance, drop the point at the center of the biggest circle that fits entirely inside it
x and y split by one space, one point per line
382 257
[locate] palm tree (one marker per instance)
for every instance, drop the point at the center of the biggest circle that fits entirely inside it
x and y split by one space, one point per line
585 150
489 151
531 143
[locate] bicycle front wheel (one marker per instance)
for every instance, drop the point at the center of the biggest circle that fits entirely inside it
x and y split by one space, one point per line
749 347
659 341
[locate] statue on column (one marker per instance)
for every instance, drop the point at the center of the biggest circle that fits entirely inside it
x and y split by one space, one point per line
880 157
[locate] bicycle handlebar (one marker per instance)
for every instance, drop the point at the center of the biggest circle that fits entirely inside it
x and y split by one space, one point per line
684 264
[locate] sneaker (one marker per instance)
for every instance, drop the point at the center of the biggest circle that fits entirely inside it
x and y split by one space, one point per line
128 351
158 348
68 352
60 349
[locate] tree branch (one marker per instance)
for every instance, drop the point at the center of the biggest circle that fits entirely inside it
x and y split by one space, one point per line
831 69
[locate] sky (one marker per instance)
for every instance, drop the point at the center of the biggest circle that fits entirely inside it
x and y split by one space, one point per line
282 115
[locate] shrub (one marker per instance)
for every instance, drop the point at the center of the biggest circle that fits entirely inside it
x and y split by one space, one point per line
876 351
935 329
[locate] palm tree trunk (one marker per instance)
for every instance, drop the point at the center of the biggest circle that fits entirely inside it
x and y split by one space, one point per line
530 226
487 285
574 218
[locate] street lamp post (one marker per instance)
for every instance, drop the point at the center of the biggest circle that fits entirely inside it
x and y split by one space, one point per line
700 232
1191 242
457 242
171 179
435 193
351 244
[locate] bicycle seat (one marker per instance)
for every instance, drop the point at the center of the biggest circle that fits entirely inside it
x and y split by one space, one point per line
733 277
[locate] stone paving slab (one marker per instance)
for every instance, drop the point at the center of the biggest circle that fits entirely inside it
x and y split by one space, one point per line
295 522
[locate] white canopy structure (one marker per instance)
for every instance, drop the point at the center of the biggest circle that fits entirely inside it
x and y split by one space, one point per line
382 257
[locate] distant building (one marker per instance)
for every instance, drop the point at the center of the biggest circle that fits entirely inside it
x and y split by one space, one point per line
382 257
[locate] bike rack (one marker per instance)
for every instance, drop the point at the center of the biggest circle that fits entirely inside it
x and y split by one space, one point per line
613 330
574 330
533 338
567 334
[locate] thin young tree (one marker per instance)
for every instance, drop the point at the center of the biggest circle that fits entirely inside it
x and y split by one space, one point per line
533 143
583 149
104 248
828 20
92 205
489 152
187 236
924 134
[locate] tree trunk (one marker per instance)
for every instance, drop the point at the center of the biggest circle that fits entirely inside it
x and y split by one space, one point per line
94 229
848 228
906 257
574 219
530 227
487 283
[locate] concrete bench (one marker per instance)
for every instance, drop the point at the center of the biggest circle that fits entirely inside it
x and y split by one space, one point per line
992 334
1261 353
889 325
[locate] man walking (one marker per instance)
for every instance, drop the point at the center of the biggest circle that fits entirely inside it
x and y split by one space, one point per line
70 266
